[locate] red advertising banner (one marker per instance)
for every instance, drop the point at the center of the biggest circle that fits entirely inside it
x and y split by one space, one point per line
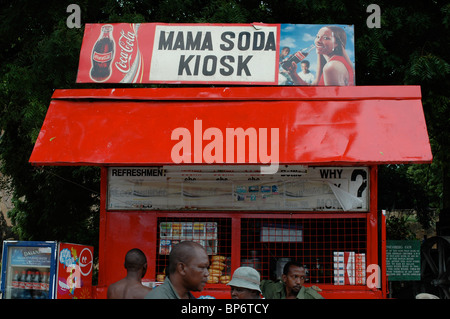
75 265
258 54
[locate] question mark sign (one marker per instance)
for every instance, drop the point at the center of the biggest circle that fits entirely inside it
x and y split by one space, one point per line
363 174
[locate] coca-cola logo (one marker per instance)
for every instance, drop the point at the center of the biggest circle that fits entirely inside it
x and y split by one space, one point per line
300 55
86 261
126 45
102 57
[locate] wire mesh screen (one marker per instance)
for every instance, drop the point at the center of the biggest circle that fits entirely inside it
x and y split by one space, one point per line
322 245
212 233
267 244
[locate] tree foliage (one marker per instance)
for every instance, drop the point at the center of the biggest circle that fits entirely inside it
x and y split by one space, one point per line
40 53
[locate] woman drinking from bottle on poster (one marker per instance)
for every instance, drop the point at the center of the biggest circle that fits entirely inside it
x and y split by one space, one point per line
333 64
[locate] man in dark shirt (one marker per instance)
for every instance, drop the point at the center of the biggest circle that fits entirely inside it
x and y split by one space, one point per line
187 271
131 286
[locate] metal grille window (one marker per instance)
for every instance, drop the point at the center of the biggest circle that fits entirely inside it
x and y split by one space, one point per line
212 233
322 245
267 244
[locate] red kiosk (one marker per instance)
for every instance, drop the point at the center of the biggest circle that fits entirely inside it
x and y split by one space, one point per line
320 207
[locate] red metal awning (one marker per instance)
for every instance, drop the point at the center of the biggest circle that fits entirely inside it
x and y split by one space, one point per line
317 125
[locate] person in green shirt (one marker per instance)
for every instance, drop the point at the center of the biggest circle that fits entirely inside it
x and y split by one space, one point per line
188 271
290 286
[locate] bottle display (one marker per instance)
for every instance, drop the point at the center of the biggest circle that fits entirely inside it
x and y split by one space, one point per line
45 284
38 270
103 55
297 57
15 290
30 284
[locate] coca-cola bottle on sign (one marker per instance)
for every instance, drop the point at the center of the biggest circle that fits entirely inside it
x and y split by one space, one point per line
102 55
297 57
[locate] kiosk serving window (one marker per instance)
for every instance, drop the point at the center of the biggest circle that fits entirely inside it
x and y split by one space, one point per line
327 247
268 243
271 218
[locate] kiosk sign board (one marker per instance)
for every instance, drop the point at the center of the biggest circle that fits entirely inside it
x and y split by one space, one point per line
238 187
403 260
256 53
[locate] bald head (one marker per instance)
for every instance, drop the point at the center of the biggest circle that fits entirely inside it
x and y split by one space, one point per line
135 259
184 252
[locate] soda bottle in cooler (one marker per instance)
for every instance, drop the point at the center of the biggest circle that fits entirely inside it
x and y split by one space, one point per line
45 285
36 285
15 285
28 293
297 57
22 284
103 55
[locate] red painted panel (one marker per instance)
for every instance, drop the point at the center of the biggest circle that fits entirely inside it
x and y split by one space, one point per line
125 232
247 93
315 128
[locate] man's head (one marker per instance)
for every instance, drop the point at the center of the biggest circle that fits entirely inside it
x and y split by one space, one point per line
135 261
285 51
305 66
245 284
293 277
188 263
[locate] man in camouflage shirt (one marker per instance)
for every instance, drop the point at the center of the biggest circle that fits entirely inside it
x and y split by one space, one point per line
290 286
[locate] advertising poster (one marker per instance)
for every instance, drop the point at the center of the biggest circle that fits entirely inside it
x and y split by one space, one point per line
75 264
309 45
255 54
238 188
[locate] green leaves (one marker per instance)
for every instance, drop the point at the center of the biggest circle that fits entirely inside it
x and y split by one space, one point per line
425 68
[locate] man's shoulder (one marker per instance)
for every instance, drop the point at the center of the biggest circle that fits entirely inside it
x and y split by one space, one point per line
272 283
118 283
126 290
139 292
158 292
310 293
114 290
163 291
271 289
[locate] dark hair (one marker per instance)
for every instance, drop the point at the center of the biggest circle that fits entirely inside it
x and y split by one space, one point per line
288 265
135 259
341 38
306 62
